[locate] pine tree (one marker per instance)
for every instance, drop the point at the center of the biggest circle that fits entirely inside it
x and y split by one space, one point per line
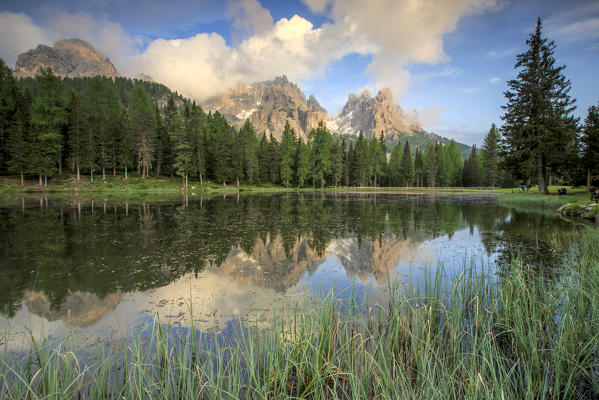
490 154
455 163
182 148
303 164
125 144
395 166
590 143
321 143
264 160
75 131
406 174
379 159
539 123
18 135
8 107
47 116
142 128
287 155
359 168
249 145
337 163
443 166
196 126
430 165
419 168
471 171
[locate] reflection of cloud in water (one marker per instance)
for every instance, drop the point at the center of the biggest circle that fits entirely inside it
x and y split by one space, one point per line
246 287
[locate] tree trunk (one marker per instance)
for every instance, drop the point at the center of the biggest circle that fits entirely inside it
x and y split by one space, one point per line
78 174
59 165
45 180
588 180
237 178
91 175
103 173
186 182
541 176
40 180
22 181
126 172
201 180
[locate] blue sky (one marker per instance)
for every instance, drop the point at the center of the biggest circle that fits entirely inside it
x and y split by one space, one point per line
447 59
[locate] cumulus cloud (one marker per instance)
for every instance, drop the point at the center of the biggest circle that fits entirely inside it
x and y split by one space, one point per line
17 35
396 34
404 32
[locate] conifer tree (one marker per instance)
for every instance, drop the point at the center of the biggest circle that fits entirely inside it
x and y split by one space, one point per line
182 148
264 159
443 166
395 166
337 163
249 145
321 143
287 154
195 126
303 164
490 154
539 124
471 172
8 107
359 168
419 168
48 115
18 135
125 144
379 159
590 143
75 130
142 128
430 165
455 163
406 174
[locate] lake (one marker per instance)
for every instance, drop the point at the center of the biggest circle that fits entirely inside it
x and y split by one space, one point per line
97 270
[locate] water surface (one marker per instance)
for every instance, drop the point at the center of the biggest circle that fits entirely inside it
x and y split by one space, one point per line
97 269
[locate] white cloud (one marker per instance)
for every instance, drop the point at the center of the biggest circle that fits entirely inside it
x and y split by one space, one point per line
17 35
495 79
396 34
579 23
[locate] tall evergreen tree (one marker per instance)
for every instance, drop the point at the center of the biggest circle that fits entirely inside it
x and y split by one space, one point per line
8 107
287 155
75 128
142 128
419 168
48 115
490 154
302 164
539 123
379 159
406 174
18 135
321 143
590 143
395 166
337 163
359 167
471 171
455 163
182 149
249 145
430 165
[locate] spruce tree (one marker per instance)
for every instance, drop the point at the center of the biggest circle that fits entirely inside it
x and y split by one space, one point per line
321 143
75 128
379 159
406 174
18 136
249 145
303 164
430 165
590 143
419 168
182 148
287 154
395 166
337 163
539 124
490 153
359 167
142 128
471 172
455 163
8 107
47 116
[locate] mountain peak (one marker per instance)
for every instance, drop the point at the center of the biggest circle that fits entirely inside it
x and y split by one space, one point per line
365 95
68 57
384 95
269 105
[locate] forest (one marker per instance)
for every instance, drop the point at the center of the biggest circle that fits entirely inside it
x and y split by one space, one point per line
96 126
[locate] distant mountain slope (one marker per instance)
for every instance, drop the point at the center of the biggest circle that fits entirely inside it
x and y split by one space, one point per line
268 105
72 58
373 115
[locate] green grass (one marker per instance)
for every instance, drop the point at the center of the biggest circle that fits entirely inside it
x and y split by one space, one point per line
526 334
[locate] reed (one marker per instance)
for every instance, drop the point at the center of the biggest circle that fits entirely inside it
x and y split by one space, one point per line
515 334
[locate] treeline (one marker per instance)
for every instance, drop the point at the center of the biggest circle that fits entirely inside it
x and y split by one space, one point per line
95 126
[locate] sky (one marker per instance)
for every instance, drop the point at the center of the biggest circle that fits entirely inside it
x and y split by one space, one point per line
447 59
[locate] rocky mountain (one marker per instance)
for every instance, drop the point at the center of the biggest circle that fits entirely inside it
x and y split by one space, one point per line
70 57
373 115
268 105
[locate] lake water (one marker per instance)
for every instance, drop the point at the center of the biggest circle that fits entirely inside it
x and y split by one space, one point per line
96 270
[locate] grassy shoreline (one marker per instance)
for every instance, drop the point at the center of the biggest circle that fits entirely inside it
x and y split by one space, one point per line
522 334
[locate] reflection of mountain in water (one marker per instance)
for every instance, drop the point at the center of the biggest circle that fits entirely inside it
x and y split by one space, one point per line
269 241
79 308
270 265
371 257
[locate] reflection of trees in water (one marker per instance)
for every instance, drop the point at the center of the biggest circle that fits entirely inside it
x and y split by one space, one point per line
134 247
